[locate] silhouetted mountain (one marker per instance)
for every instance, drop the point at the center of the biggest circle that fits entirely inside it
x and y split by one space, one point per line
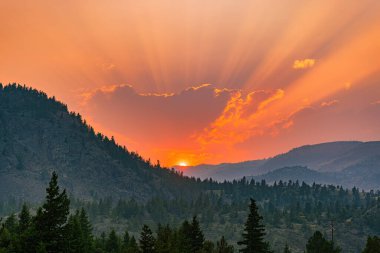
38 135
343 163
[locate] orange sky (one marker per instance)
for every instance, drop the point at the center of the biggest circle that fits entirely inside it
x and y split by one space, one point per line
203 81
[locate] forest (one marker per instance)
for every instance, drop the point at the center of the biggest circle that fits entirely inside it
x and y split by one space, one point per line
55 227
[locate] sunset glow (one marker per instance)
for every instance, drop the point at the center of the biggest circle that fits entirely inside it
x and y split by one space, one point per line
183 164
203 81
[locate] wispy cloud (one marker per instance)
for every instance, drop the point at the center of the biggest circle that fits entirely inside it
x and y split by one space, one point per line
303 64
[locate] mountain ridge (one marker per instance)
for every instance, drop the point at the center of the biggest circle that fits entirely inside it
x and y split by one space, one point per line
39 135
342 158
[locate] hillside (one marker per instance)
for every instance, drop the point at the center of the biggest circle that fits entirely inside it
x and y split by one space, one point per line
39 135
344 163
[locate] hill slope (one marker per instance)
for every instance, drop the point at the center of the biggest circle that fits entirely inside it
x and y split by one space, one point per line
39 135
344 163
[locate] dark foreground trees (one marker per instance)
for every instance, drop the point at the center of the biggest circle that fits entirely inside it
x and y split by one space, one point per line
54 230
318 244
254 232
373 245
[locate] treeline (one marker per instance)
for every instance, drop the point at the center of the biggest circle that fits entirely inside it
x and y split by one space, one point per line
282 204
54 230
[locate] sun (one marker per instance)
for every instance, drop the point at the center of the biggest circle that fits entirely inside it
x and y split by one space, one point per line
183 164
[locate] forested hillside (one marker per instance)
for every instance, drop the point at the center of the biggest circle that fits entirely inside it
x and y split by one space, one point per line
39 135
54 230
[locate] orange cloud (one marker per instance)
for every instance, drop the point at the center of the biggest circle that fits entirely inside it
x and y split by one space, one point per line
329 103
240 118
303 64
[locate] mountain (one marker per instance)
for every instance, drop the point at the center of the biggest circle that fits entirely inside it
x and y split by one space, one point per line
349 164
39 135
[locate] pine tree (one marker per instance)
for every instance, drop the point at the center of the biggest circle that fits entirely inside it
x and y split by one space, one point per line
24 219
163 241
133 247
147 240
286 249
126 239
86 231
254 232
74 241
223 247
318 244
51 219
373 245
112 244
197 237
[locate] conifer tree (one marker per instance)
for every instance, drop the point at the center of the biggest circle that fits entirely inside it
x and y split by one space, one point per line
254 232
286 249
126 239
223 247
147 240
373 245
112 244
24 219
51 219
197 237
86 231
318 244
133 247
163 241
74 241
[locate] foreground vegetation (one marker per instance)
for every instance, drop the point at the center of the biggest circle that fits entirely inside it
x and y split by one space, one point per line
53 229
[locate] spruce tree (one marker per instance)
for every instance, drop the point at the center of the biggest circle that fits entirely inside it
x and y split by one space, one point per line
223 247
24 219
197 237
112 244
51 219
147 240
163 241
373 245
133 247
86 231
318 244
254 232
286 249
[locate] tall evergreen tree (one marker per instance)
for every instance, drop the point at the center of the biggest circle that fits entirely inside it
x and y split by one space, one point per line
197 237
286 249
86 231
373 245
24 219
112 244
133 247
51 219
223 247
254 232
318 244
163 241
147 240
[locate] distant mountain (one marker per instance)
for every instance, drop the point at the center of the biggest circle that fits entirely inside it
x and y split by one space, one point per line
38 135
343 163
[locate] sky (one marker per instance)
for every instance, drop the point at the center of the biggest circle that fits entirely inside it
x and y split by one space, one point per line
203 81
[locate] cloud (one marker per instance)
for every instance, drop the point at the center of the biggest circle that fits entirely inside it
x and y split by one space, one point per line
303 64
329 103
376 102
158 123
239 120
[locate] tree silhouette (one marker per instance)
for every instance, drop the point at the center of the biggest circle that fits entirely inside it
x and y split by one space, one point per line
147 240
317 243
254 232
51 219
